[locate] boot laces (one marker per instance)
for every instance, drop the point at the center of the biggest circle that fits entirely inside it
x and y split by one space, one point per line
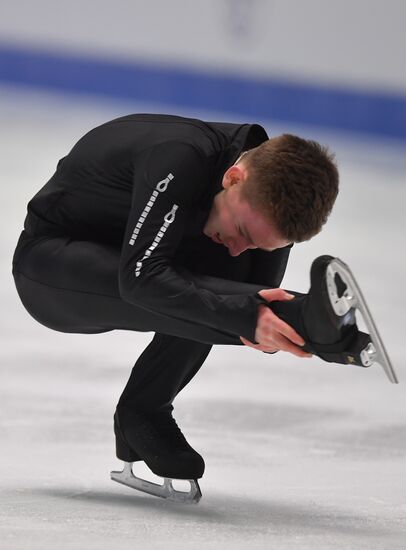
161 426
166 425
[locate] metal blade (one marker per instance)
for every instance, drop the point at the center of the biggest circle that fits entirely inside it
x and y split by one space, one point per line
353 297
127 477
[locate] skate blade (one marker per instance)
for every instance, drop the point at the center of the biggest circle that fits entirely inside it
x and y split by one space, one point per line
353 297
126 477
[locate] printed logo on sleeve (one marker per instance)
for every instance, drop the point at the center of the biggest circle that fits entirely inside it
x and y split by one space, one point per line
168 219
161 187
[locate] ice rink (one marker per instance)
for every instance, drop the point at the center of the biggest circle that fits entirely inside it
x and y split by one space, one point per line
300 454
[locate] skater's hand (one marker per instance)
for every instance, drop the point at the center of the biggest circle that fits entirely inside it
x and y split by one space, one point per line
273 334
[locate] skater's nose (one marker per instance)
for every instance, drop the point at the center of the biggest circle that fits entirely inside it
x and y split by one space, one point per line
236 248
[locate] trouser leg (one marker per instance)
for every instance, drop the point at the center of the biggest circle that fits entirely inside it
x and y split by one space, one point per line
72 286
290 311
166 365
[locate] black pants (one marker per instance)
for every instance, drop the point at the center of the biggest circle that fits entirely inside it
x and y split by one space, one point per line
71 286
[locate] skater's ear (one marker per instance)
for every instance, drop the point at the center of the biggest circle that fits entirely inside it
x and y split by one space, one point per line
234 175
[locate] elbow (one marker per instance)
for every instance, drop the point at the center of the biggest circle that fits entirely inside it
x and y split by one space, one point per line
125 295
128 288
135 290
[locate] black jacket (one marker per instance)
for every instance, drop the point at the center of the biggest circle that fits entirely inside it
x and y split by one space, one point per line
145 183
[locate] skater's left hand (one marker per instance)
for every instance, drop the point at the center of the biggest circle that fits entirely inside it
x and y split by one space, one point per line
272 333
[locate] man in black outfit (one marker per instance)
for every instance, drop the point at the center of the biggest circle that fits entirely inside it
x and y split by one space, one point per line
181 227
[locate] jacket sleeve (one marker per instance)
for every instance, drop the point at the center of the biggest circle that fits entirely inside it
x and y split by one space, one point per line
169 180
267 267
267 271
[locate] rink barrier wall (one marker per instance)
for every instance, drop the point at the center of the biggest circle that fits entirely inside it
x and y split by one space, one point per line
257 99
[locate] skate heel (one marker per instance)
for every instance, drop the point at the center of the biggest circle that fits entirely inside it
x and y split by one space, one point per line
123 451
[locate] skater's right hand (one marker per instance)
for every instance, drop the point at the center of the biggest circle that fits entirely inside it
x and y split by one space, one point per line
273 334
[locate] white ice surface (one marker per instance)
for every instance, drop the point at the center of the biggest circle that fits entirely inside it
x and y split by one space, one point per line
299 453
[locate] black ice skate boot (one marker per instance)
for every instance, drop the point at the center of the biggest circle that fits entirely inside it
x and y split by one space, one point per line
325 318
156 439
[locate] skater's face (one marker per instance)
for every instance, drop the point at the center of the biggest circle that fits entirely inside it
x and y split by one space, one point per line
233 223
